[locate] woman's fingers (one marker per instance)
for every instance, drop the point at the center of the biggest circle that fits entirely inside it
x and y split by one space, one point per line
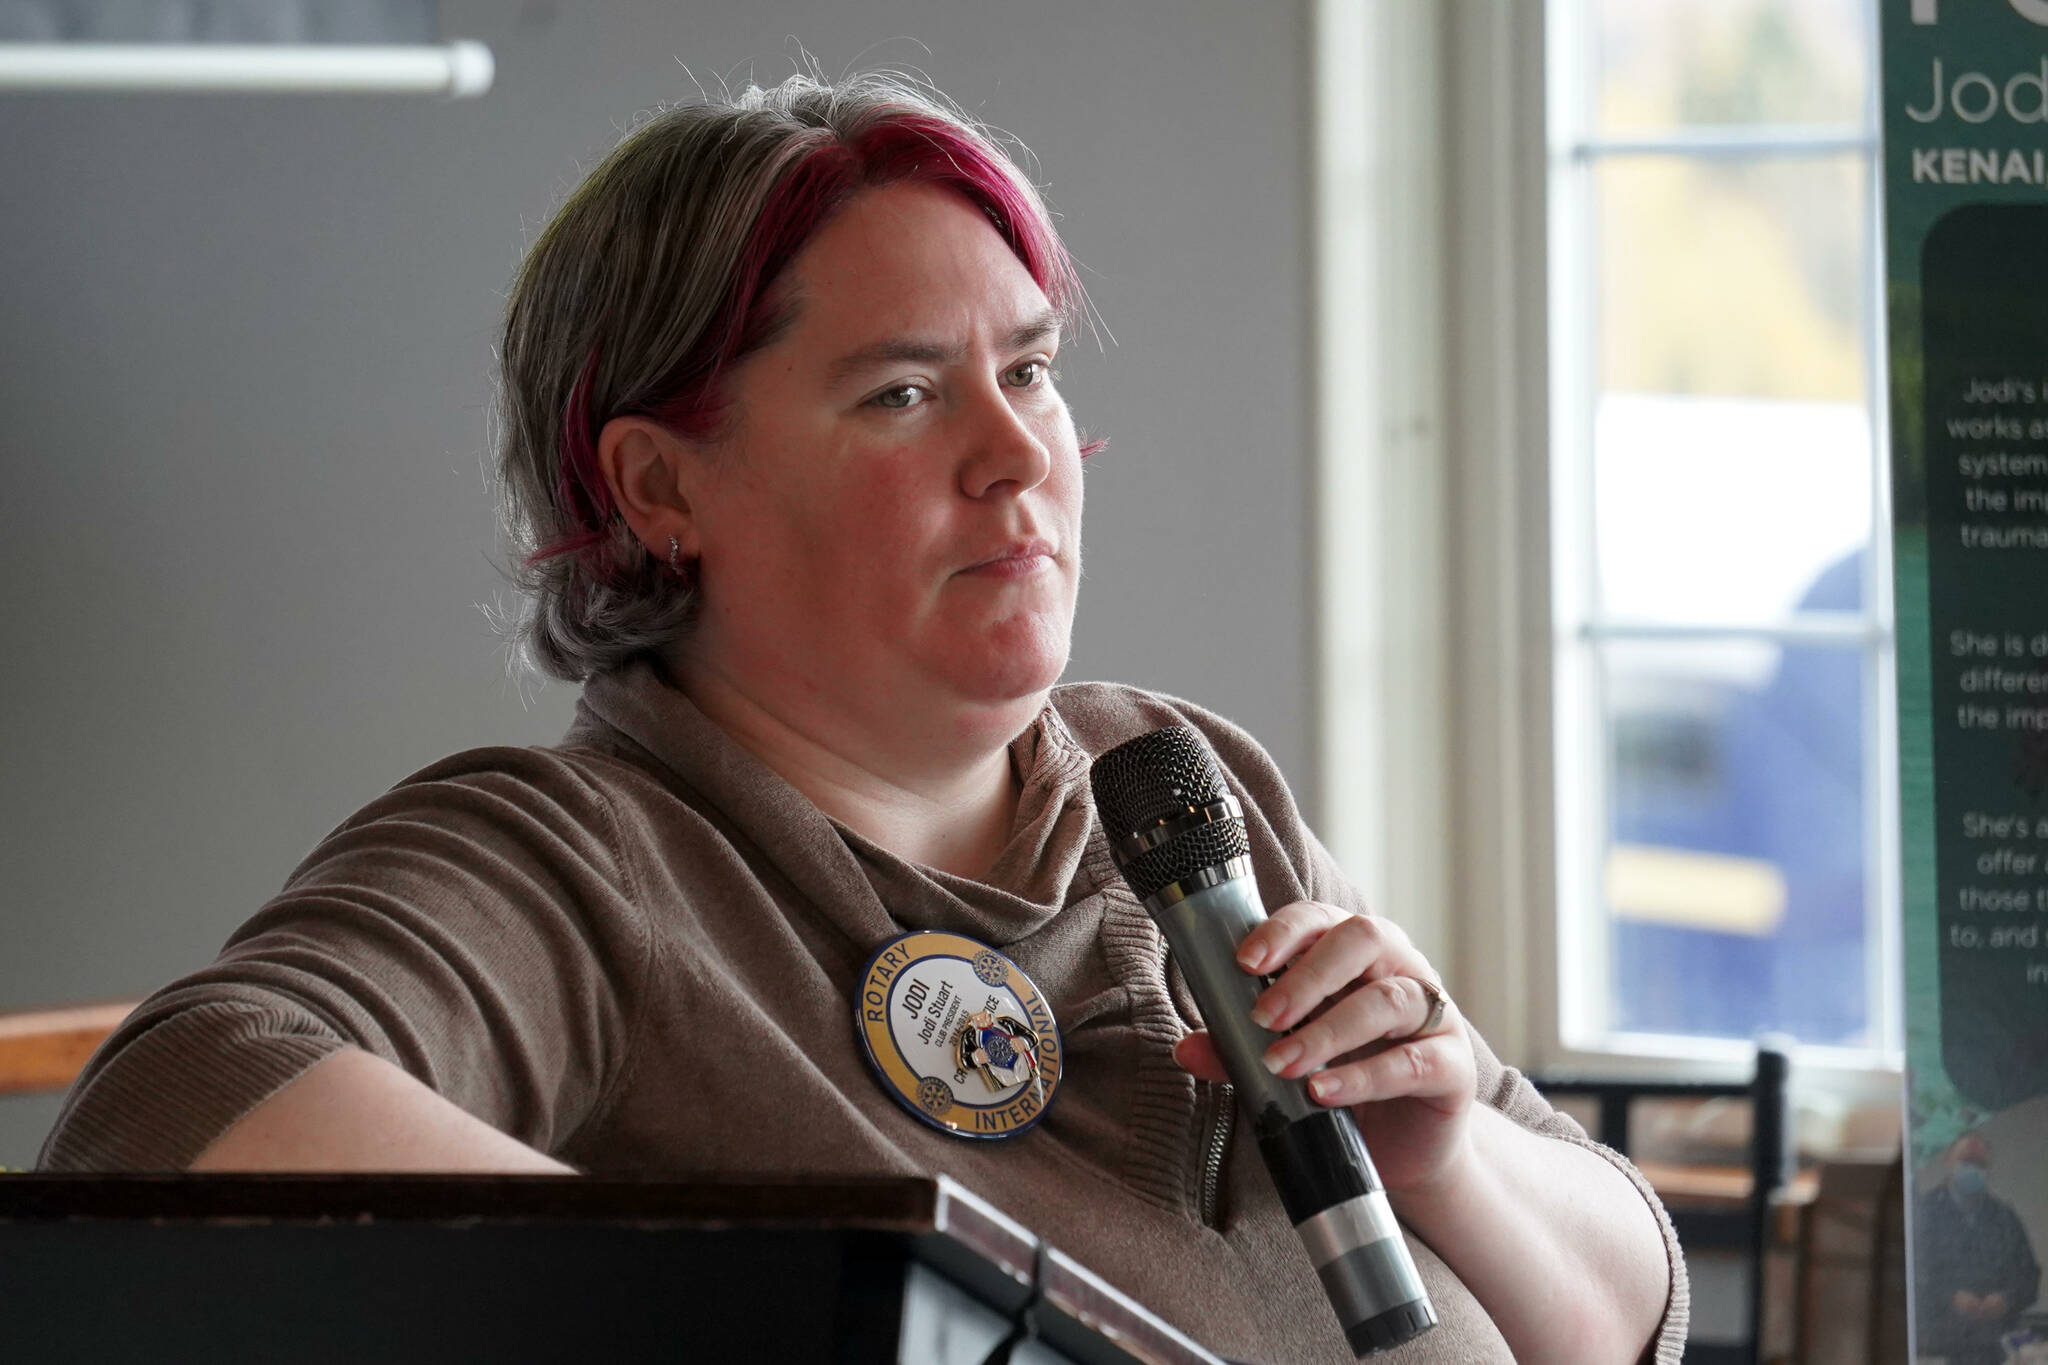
1436 1067
1197 1055
1386 1007
1353 948
1285 933
1358 977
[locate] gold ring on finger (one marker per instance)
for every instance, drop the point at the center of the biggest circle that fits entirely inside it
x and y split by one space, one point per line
1439 1000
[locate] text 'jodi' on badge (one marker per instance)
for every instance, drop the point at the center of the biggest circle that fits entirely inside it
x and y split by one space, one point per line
959 1035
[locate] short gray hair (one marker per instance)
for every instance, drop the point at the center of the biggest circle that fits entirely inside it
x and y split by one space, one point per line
656 277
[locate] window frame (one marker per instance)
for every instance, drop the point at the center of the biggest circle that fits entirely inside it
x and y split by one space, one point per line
1483 753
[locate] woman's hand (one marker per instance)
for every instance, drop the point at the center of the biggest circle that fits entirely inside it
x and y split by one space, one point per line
1355 980
1555 1242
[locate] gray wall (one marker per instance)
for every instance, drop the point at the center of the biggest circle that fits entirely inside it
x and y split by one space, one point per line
244 359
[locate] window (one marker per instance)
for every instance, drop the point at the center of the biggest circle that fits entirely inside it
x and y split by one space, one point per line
1721 601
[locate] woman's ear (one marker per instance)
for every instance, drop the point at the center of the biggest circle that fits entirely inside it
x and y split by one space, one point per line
651 473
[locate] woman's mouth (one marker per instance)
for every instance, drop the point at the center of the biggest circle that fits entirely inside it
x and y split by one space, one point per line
1020 559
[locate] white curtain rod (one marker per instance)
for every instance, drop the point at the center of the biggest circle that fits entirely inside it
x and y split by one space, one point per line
459 70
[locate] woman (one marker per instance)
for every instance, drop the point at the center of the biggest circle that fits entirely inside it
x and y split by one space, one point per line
803 507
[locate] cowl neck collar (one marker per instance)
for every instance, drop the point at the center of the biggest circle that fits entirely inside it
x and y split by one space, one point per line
830 864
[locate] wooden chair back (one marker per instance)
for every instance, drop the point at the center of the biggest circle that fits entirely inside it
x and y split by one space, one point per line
42 1051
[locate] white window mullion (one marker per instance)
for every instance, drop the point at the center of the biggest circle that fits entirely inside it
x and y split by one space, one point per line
1577 1012
1845 630
1748 142
1887 965
1573 251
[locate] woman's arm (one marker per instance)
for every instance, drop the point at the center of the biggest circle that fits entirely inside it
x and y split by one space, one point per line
1554 1241
475 925
352 1111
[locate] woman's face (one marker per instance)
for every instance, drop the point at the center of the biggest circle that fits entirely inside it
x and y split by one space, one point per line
895 522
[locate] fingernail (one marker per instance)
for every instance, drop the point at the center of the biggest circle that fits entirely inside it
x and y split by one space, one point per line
1251 957
1270 1006
1323 1087
1280 1056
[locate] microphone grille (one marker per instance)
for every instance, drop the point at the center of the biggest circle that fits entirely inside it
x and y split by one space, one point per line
1185 854
1154 778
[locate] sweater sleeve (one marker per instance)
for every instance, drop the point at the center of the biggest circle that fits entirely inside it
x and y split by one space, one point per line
1313 874
475 926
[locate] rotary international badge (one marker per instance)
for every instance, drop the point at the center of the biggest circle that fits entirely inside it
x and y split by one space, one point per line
959 1035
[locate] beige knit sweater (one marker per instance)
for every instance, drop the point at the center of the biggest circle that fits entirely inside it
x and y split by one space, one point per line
637 951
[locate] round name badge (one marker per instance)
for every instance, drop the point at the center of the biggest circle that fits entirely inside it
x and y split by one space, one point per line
959 1035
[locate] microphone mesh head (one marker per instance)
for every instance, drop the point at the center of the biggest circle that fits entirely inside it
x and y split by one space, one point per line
1154 778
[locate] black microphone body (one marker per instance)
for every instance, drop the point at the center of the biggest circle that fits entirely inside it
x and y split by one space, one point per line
1179 839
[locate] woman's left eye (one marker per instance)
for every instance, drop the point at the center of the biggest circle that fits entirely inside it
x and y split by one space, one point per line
902 396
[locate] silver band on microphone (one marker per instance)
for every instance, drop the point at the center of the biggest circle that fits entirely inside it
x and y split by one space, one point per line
1224 807
1359 1256
1346 1227
1199 880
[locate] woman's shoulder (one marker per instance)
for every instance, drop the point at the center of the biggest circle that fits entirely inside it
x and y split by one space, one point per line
595 768
574 768
552 803
505 782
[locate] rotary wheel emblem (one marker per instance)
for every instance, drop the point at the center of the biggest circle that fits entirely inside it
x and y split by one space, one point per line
991 969
934 1096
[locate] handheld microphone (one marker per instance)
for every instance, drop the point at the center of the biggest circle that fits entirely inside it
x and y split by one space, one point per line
1178 837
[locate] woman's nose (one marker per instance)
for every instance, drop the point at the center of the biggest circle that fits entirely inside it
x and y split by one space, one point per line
1003 449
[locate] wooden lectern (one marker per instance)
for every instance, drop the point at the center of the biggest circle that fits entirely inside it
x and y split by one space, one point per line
109 1269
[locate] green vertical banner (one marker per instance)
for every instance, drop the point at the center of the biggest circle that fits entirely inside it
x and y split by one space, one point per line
1965 94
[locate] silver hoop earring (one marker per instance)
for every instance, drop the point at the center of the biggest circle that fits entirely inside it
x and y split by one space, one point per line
675 557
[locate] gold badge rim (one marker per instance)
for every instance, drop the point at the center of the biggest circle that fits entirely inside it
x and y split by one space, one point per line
886 1057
